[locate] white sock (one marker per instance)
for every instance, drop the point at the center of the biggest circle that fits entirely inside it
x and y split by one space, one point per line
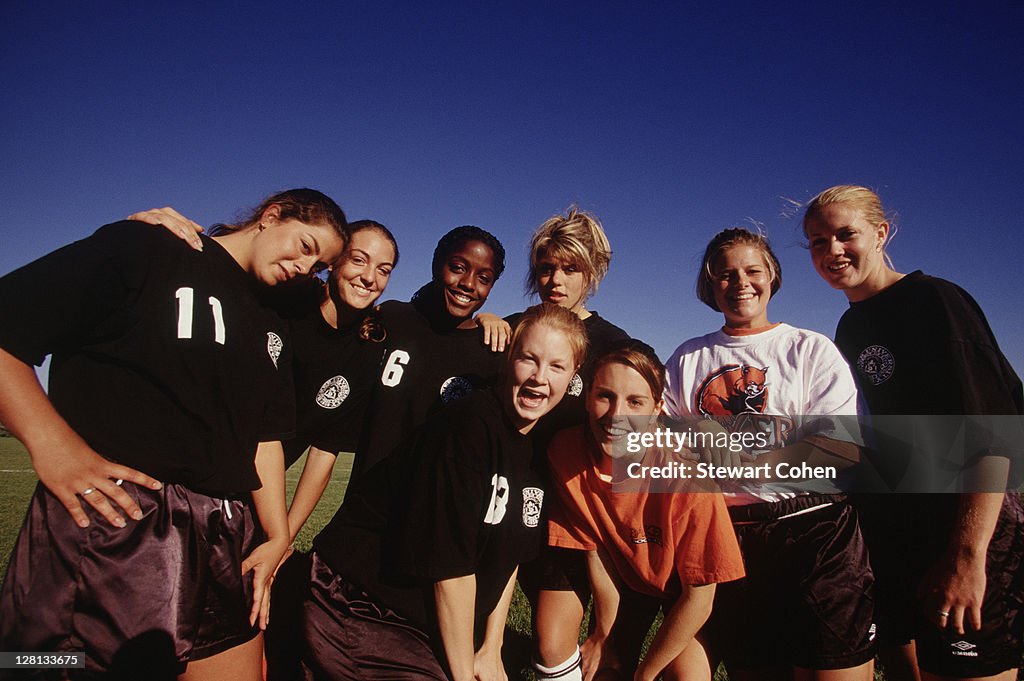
569 670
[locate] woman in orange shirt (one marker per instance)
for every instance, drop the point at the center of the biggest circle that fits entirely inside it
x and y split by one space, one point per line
648 548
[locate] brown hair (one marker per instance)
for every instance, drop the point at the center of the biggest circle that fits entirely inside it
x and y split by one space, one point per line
728 238
638 356
364 225
305 205
576 237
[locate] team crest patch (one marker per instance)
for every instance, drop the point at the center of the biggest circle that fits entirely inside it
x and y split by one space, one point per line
455 388
732 390
274 346
876 364
533 501
575 386
333 392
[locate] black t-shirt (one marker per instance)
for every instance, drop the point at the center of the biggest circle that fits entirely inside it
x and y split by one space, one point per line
425 366
923 346
334 371
163 358
464 499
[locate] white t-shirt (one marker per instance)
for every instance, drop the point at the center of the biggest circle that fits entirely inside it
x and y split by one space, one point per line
783 380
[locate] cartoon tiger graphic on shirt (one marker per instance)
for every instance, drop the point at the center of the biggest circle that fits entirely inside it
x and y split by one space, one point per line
732 390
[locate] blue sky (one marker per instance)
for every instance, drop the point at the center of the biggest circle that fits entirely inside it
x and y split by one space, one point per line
668 121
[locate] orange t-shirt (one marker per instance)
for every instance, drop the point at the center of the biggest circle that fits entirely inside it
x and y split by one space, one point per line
650 537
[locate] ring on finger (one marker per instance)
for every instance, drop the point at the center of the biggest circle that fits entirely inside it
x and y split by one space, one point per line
943 613
87 491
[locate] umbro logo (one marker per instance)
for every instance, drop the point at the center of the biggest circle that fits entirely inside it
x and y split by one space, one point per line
963 649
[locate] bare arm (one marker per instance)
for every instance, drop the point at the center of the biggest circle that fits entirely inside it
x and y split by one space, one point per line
955 584
65 464
174 222
815 450
681 624
315 476
487 665
269 501
455 601
596 651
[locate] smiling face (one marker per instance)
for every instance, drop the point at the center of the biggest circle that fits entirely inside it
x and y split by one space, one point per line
285 249
847 250
466 277
541 367
619 402
742 284
561 282
364 270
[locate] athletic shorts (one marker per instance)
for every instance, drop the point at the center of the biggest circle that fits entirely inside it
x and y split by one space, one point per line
807 598
283 641
349 636
556 569
997 647
151 596
633 622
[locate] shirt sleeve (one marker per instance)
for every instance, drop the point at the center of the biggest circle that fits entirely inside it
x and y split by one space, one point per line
343 431
279 412
63 298
988 383
830 415
570 525
674 405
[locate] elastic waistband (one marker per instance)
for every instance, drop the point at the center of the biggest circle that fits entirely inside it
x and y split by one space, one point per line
776 510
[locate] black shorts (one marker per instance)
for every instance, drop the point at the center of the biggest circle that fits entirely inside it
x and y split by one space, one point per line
903 562
556 569
283 641
349 636
154 595
807 598
633 622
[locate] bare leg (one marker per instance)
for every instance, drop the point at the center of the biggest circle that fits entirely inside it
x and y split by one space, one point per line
690 665
900 662
556 623
241 663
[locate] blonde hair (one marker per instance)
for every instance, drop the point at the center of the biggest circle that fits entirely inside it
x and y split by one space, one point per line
862 200
576 237
559 319
727 238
